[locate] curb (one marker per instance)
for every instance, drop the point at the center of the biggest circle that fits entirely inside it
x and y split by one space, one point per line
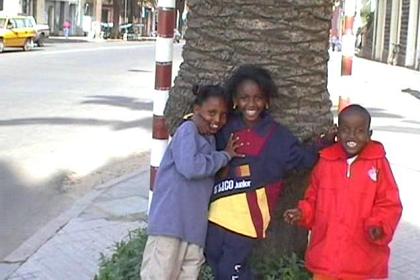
31 245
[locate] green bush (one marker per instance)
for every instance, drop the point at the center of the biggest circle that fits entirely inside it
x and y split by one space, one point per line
124 263
275 267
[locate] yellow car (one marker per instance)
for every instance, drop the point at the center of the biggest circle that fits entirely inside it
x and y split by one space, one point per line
16 31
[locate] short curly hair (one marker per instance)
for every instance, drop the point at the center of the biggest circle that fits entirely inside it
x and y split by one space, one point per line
249 72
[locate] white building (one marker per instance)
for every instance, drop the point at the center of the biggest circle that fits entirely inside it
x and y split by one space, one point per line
10 7
54 12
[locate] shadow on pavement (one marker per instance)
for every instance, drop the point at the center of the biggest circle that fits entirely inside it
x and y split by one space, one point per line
413 92
25 206
119 101
413 122
144 123
400 129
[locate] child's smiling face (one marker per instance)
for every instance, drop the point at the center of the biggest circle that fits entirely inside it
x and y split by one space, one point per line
353 132
250 101
214 113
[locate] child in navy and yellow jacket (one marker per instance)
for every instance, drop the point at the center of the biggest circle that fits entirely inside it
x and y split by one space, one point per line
247 189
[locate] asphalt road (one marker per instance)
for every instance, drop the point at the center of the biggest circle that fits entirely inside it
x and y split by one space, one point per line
66 110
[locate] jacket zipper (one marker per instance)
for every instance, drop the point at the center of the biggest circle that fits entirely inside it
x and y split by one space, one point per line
349 164
348 171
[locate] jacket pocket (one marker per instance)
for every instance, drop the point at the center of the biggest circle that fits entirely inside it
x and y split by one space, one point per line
363 257
316 252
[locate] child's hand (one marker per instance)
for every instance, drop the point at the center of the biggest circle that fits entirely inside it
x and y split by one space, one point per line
292 216
330 136
375 233
231 146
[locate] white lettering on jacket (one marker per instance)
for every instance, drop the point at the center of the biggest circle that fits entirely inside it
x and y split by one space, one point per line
229 185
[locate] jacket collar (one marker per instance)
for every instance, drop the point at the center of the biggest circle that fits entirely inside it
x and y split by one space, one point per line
239 124
372 150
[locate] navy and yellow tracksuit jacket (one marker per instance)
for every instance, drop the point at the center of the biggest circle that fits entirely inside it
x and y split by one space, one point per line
247 189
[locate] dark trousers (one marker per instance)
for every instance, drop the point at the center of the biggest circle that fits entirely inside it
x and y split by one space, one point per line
227 253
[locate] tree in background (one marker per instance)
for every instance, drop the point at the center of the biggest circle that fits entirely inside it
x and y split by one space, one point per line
116 5
289 38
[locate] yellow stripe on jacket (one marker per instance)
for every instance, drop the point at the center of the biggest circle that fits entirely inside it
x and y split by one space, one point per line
232 212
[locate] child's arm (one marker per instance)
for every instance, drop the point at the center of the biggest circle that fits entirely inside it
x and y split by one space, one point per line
387 208
305 213
192 162
304 156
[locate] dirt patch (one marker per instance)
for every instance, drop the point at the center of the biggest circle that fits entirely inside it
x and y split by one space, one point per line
77 186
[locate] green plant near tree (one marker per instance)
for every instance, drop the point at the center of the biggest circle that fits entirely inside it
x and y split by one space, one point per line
124 263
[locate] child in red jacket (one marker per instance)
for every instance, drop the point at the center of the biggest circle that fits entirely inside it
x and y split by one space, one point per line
352 205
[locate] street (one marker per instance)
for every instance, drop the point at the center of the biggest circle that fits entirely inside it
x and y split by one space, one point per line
72 115
77 114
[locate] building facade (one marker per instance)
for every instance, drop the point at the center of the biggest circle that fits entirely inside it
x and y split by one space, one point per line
396 32
86 16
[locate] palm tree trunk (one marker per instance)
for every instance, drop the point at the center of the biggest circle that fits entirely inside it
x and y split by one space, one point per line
289 38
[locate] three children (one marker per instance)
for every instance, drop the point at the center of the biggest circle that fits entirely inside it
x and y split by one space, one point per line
352 205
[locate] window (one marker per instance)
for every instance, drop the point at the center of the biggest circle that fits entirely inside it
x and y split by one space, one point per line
29 22
1 5
20 23
11 23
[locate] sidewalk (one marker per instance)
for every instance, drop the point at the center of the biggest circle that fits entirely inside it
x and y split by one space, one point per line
84 39
69 246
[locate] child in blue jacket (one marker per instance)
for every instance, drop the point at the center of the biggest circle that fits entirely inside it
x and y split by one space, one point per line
179 208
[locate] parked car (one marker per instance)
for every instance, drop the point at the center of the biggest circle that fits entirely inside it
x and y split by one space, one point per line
127 31
16 31
42 32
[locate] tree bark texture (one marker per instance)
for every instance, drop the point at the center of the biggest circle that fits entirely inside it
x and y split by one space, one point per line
289 38
116 5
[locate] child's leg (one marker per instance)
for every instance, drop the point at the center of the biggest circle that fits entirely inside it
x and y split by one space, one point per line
191 262
233 253
161 258
213 250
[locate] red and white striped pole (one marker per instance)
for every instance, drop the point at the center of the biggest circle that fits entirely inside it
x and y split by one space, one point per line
348 38
163 82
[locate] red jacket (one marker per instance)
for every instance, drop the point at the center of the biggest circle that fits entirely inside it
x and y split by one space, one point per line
341 203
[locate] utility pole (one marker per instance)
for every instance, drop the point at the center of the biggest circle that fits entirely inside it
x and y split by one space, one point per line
348 38
163 83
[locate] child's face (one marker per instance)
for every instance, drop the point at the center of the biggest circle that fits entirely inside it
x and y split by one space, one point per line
213 112
353 132
250 101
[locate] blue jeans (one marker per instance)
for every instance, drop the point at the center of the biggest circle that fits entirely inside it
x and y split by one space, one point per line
66 32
